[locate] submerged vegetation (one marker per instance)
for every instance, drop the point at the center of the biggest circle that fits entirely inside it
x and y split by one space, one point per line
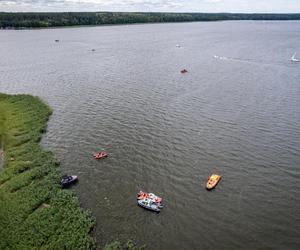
34 212
40 20
129 245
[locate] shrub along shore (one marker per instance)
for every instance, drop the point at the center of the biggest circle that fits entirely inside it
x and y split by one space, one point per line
58 19
35 213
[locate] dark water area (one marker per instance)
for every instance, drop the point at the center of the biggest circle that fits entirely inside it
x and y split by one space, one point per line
235 113
1 158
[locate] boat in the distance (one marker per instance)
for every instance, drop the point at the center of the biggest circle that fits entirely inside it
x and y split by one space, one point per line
100 155
183 71
294 59
67 180
143 195
150 205
212 181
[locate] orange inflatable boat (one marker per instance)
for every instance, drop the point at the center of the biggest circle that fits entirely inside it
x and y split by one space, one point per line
143 195
212 181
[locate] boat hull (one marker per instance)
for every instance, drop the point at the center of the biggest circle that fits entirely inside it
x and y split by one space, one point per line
150 207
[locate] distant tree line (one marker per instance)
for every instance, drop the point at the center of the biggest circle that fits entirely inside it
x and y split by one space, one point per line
56 19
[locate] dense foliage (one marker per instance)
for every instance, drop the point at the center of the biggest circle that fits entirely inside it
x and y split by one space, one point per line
31 20
34 212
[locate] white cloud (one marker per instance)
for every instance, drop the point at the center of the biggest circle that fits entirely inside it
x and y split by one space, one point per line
212 1
153 5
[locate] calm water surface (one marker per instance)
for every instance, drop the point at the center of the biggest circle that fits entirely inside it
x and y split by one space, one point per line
236 113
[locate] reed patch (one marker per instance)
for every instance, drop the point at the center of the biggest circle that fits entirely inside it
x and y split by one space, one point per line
34 212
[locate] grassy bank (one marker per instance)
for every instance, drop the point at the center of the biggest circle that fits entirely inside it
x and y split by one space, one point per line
34 212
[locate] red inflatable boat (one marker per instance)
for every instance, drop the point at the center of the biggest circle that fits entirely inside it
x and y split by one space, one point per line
100 155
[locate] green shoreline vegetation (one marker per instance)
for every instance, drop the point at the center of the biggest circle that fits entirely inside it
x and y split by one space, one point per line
59 19
35 213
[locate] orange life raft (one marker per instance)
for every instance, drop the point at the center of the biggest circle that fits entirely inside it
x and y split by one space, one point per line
212 181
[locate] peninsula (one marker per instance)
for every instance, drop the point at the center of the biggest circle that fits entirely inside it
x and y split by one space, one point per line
35 213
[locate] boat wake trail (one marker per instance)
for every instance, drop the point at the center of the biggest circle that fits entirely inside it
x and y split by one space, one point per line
251 61
221 57
235 59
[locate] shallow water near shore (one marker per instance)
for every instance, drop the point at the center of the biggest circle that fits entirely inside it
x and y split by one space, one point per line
235 113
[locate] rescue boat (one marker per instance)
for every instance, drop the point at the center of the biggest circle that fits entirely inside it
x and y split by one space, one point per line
67 180
150 205
100 155
212 181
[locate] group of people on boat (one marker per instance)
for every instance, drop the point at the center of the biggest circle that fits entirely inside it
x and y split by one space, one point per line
149 201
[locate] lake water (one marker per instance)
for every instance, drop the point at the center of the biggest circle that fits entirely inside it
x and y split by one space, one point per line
236 113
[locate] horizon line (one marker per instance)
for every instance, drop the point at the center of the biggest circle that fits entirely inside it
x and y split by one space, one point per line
186 12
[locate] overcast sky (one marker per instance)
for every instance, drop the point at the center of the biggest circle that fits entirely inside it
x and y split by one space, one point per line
248 6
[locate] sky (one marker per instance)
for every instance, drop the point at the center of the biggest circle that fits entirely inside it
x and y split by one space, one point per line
241 6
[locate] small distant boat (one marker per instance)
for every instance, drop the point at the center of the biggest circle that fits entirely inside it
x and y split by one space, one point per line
93 50
150 205
178 46
100 155
212 181
221 57
183 71
67 180
56 40
143 195
293 59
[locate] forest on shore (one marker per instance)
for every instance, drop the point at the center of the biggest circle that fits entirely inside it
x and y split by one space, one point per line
58 19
